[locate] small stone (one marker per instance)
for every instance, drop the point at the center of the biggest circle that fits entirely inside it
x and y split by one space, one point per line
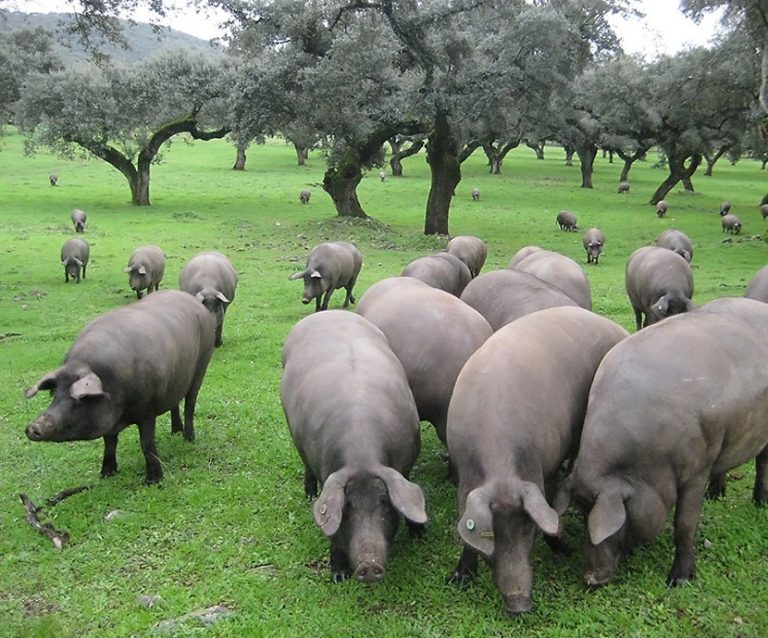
149 601
111 516
708 544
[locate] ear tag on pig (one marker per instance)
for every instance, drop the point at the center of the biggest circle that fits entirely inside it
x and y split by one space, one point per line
470 524
315 275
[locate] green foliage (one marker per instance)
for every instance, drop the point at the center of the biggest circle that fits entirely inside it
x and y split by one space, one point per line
230 524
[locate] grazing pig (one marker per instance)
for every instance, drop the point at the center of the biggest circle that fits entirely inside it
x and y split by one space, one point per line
475 194
515 417
354 423
471 250
757 288
212 278
731 223
659 283
566 220
676 241
501 296
725 207
522 254
623 187
593 242
129 366
53 179
444 271
764 210
78 218
670 407
431 332
561 272
331 265
661 208
145 269
74 257
382 176
304 196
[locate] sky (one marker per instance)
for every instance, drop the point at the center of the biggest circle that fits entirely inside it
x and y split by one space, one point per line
664 30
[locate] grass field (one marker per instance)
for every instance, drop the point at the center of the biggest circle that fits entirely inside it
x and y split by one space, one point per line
229 525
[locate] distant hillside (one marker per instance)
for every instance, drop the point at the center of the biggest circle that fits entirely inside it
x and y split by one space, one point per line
144 42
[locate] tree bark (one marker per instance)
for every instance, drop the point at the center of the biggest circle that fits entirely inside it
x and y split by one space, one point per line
443 159
496 155
712 160
536 147
399 154
240 158
340 182
629 160
587 154
677 172
302 152
569 151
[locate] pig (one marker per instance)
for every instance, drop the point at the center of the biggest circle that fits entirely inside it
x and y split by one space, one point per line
443 271
522 254
731 223
471 250
593 242
515 417
382 176
78 218
501 296
566 220
360 442
623 187
661 208
431 332
764 211
304 196
475 194
659 284
145 269
725 207
561 272
676 241
212 278
670 407
331 265
74 257
53 179
128 366
757 288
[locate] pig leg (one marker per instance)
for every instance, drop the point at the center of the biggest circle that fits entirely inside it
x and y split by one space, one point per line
327 298
318 304
760 493
415 530
340 569
138 294
310 483
109 462
466 568
350 298
83 271
638 318
687 513
716 487
176 425
190 400
147 438
66 276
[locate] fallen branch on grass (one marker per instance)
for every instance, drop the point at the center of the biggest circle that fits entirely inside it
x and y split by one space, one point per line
58 538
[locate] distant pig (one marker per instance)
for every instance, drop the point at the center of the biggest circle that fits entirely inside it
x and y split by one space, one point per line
353 420
515 417
731 223
471 250
623 187
764 210
129 366
561 272
566 220
670 407
304 196
330 266
74 258
661 208
443 271
212 278
475 194
725 208
78 218
676 241
145 269
659 284
593 242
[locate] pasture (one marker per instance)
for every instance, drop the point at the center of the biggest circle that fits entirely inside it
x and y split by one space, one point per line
229 525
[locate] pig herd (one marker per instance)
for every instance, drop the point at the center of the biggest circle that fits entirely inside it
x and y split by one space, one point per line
539 401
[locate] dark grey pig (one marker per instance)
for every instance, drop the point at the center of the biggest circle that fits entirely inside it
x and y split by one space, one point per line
74 257
670 406
332 265
501 296
757 288
731 223
354 422
212 278
677 241
661 208
443 271
764 211
522 254
623 187
304 196
561 272
475 194
659 284
129 366
593 242
514 418
471 250
145 269
725 208
78 218
566 220
431 332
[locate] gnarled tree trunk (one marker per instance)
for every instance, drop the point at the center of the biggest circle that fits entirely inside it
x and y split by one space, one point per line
302 152
587 154
399 153
340 182
240 158
536 147
443 159
496 155
677 171
569 151
712 160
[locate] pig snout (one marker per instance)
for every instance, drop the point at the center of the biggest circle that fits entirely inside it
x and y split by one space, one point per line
41 429
305 300
370 570
517 604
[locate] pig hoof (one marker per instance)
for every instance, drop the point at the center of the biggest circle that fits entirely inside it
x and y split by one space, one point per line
339 575
593 581
106 473
416 530
460 577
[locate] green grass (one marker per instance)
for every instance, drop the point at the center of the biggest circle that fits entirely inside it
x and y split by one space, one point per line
229 525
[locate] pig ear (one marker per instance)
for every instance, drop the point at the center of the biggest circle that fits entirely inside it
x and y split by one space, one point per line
200 296
315 275
407 498
476 526
128 269
46 382
538 509
329 506
88 386
222 297
607 516
77 261
296 275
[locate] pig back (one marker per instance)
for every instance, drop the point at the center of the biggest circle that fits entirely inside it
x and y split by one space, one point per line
339 262
443 271
757 288
209 270
75 247
652 272
561 272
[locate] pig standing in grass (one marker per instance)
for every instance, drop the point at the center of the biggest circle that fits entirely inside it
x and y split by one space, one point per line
566 220
731 223
354 422
128 366
74 257
593 242
78 218
443 271
304 196
676 241
670 407
330 266
661 208
145 269
514 418
471 250
212 278
561 272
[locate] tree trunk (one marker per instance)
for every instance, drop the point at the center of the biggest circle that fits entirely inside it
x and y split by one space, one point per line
399 154
587 154
569 151
302 152
712 160
496 155
677 172
443 159
341 181
629 160
538 148
240 158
